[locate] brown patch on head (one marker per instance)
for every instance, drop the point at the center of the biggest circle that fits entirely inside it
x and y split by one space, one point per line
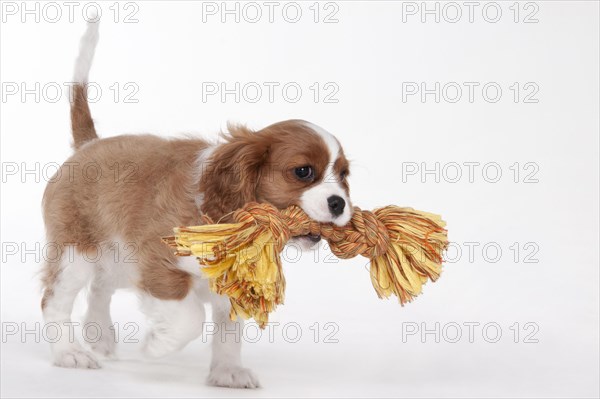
294 145
230 177
259 166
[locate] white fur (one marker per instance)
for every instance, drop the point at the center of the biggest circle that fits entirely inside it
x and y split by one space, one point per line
314 200
226 368
75 274
173 323
103 270
330 140
102 287
87 48
116 268
189 264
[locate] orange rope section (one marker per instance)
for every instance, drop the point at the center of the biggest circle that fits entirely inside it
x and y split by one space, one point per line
242 259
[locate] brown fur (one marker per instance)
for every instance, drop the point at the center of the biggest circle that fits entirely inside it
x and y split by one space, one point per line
146 187
138 188
82 124
258 166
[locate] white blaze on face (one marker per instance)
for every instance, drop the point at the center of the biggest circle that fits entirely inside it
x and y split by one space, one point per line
314 200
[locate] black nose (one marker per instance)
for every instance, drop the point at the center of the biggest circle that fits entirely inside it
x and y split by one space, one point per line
336 205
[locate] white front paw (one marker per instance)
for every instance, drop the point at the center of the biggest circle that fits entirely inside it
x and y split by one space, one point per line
75 358
231 376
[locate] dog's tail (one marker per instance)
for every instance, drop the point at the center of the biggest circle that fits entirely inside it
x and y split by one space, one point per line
82 124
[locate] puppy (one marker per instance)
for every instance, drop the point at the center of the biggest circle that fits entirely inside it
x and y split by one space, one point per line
111 202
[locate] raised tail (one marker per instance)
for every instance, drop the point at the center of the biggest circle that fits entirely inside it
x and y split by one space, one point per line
82 124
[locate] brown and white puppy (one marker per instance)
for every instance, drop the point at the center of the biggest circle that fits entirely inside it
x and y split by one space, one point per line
111 202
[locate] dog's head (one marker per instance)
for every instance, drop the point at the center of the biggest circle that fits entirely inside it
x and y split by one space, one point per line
288 163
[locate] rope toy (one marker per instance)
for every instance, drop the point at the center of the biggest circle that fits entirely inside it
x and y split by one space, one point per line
241 259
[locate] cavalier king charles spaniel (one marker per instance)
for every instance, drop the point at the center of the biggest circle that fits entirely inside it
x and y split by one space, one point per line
110 203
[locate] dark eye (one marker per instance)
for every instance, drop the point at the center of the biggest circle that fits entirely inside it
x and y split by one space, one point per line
343 174
304 173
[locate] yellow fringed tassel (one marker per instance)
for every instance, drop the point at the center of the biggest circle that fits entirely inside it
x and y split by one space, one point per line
242 259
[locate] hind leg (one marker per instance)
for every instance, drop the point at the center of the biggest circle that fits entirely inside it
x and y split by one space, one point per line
173 322
68 276
170 299
98 314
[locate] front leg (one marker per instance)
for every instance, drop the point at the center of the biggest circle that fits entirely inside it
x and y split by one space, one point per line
226 368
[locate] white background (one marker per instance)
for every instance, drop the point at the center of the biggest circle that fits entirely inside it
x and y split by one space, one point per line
368 54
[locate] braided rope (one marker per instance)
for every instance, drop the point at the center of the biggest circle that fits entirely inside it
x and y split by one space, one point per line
242 259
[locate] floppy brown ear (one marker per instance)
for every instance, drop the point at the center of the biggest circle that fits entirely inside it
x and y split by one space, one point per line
230 176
